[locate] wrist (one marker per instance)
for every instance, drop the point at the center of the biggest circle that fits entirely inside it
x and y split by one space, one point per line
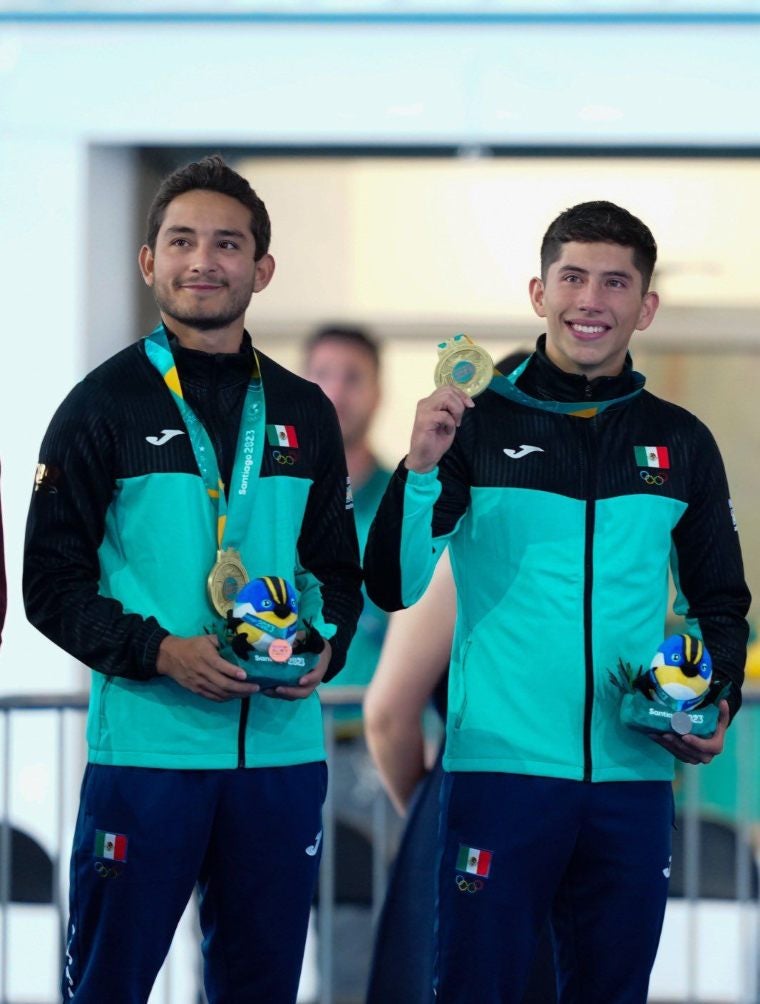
165 654
418 466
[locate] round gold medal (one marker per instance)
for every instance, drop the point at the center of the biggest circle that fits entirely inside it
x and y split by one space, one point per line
225 580
463 364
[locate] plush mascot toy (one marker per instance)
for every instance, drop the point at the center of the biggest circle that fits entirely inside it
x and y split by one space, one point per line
265 618
680 672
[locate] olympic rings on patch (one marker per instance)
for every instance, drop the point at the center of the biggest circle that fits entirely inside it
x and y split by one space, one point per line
104 871
653 479
282 458
464 886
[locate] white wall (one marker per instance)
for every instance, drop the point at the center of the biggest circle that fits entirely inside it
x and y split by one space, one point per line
67 89
453 241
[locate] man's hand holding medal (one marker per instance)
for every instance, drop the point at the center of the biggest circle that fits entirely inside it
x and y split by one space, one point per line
463 371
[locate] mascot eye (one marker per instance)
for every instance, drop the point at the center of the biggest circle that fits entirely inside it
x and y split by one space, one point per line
293 604
266 604
676 657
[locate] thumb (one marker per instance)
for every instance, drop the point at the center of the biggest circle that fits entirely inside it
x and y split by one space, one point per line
214 640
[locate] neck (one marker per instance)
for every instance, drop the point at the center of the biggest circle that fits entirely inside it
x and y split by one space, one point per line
613 368
361 463
219 340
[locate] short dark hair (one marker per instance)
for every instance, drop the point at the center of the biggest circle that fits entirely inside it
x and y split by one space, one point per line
350 335
601 222
210 174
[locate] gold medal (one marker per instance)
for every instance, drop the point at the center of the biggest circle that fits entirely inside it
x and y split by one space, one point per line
225 580
463 364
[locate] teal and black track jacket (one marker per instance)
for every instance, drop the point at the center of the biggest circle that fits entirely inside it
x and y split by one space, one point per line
561 542
121 537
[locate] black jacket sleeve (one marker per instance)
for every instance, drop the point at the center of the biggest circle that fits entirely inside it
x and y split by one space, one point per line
327 545
416 516
708 571
382 551
73 488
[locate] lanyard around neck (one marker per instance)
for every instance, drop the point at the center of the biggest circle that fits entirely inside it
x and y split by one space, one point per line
231 515
507 387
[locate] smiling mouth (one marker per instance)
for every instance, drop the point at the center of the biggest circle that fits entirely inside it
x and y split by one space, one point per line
589 331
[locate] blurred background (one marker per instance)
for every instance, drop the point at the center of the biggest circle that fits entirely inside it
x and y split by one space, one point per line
411 156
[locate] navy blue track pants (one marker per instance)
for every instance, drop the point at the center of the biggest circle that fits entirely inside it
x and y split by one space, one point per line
250 839
516 849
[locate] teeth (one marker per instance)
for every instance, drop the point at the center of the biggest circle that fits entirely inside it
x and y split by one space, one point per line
589 329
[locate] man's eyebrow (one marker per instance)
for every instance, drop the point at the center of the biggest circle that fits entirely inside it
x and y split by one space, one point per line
612 273
177 229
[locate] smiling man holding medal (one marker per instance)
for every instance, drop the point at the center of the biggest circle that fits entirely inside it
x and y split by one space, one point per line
562 544
160 493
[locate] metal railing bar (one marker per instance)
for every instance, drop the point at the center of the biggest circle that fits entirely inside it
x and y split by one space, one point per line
326 917
5 859
747 790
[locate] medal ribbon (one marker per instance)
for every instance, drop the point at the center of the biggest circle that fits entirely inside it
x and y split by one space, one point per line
230 518
507 387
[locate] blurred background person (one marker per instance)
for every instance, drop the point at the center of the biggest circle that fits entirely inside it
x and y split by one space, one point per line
412 676
394 728
344 361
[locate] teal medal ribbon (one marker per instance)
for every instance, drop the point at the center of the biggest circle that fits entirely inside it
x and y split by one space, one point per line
228 575
507 387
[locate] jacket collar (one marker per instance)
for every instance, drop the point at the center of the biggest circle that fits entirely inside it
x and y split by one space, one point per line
219 369
542 379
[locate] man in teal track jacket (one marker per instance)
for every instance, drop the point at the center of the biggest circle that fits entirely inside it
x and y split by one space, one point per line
161 470
562 539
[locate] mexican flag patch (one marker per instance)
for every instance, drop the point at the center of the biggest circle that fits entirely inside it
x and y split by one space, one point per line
110 845
282 435
652 456
474 861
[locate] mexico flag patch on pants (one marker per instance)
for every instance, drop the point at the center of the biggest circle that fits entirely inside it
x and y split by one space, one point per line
474 861
110 845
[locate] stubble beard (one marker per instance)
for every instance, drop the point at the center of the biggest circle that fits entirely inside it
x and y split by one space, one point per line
234 309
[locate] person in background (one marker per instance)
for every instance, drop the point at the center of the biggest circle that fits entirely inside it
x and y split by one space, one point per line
394 727
160 490
403 957
344 360
565 493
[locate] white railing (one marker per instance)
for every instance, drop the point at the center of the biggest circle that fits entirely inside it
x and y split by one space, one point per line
709 950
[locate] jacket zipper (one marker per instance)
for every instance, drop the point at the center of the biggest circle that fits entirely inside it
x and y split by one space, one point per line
245 707
588 588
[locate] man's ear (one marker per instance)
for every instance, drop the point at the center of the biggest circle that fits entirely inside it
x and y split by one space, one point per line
536 290
264 272
649 307
146 261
